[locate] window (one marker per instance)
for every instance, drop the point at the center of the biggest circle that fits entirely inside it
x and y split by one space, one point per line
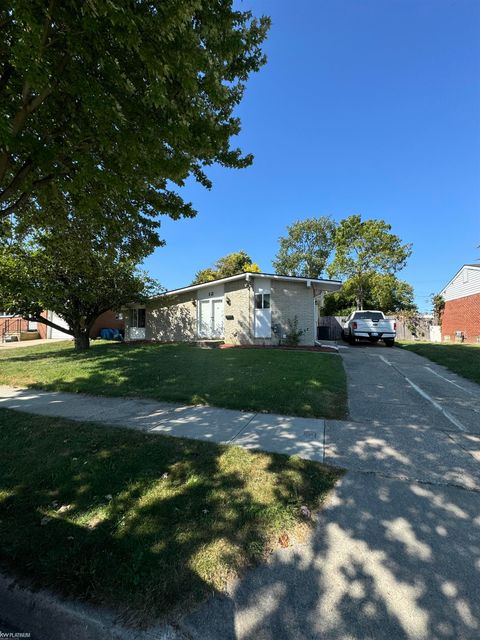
4 314
262 301
137 318
368 315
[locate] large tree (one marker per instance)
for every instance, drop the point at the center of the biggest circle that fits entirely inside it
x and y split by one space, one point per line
229 265
365 249
117 100
86 273
306 248
384 292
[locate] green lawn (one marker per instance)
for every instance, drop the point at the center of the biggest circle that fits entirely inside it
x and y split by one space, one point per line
463 359
292 382
141 522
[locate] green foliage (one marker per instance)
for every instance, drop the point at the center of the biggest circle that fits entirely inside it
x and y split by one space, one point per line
305 249
364 250
115 100
86 273
438 307
384 292
205 275
293 333
229 265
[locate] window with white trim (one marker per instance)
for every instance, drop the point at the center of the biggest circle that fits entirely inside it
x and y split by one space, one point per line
262 301
4 314
137 318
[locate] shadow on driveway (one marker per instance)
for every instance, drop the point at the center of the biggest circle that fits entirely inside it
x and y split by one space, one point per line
390 559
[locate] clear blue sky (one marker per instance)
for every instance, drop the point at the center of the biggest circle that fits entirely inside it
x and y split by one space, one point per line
364 106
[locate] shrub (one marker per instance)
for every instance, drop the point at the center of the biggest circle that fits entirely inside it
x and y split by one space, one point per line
294 333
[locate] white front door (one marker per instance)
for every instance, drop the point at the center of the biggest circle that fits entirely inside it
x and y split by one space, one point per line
263 312
204 318
210 318
263 316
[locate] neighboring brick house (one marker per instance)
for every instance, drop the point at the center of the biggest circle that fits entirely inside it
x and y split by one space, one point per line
13 325
17 326
461 317
249 308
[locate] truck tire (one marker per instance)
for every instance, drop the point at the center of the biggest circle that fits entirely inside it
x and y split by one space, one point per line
351 339
389 342
344 336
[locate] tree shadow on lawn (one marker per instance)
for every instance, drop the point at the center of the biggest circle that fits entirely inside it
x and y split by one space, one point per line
140 523
246 380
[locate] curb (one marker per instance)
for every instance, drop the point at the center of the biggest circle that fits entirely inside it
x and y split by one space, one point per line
46 617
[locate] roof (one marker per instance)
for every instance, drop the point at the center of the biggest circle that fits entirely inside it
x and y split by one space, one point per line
327 285
471 266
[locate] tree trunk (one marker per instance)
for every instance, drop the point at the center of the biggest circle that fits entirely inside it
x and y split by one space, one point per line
81 339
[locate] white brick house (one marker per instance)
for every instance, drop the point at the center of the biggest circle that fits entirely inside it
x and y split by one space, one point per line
249 308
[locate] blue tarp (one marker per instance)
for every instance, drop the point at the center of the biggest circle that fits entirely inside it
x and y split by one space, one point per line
110 334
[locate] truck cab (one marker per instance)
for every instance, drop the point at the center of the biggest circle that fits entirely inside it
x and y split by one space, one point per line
369 325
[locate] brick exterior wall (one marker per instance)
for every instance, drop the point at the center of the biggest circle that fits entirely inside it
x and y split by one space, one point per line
290 299
239 329
12 324
175 320
462 314
106 320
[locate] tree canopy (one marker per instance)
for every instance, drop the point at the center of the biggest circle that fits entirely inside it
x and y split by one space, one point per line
306 248
229 265
78 278
365 250
384 292
117 102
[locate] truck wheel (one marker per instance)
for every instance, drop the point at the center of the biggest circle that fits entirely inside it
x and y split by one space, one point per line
344 336
351 339
389 342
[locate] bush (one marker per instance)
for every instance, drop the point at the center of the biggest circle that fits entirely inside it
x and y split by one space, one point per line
294 333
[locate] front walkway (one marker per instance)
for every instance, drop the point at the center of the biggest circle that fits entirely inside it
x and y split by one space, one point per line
414 451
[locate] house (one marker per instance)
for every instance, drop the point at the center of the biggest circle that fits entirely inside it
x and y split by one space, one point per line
248 308
21 329
106 320
15 326
461 316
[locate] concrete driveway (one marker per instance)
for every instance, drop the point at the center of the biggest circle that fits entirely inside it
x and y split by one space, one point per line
396 552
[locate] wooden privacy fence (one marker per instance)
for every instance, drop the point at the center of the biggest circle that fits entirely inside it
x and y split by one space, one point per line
416 328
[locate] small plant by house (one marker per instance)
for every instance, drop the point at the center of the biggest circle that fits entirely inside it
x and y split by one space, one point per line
293 334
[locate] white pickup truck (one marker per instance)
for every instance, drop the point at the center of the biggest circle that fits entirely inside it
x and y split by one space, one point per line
369 325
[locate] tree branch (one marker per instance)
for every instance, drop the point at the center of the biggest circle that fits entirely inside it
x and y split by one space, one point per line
20 175
25 195
6 75
47 322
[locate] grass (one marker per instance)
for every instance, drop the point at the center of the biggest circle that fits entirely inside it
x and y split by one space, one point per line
463 359
298 383
140 522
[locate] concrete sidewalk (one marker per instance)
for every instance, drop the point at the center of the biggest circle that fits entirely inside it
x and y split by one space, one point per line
412 451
